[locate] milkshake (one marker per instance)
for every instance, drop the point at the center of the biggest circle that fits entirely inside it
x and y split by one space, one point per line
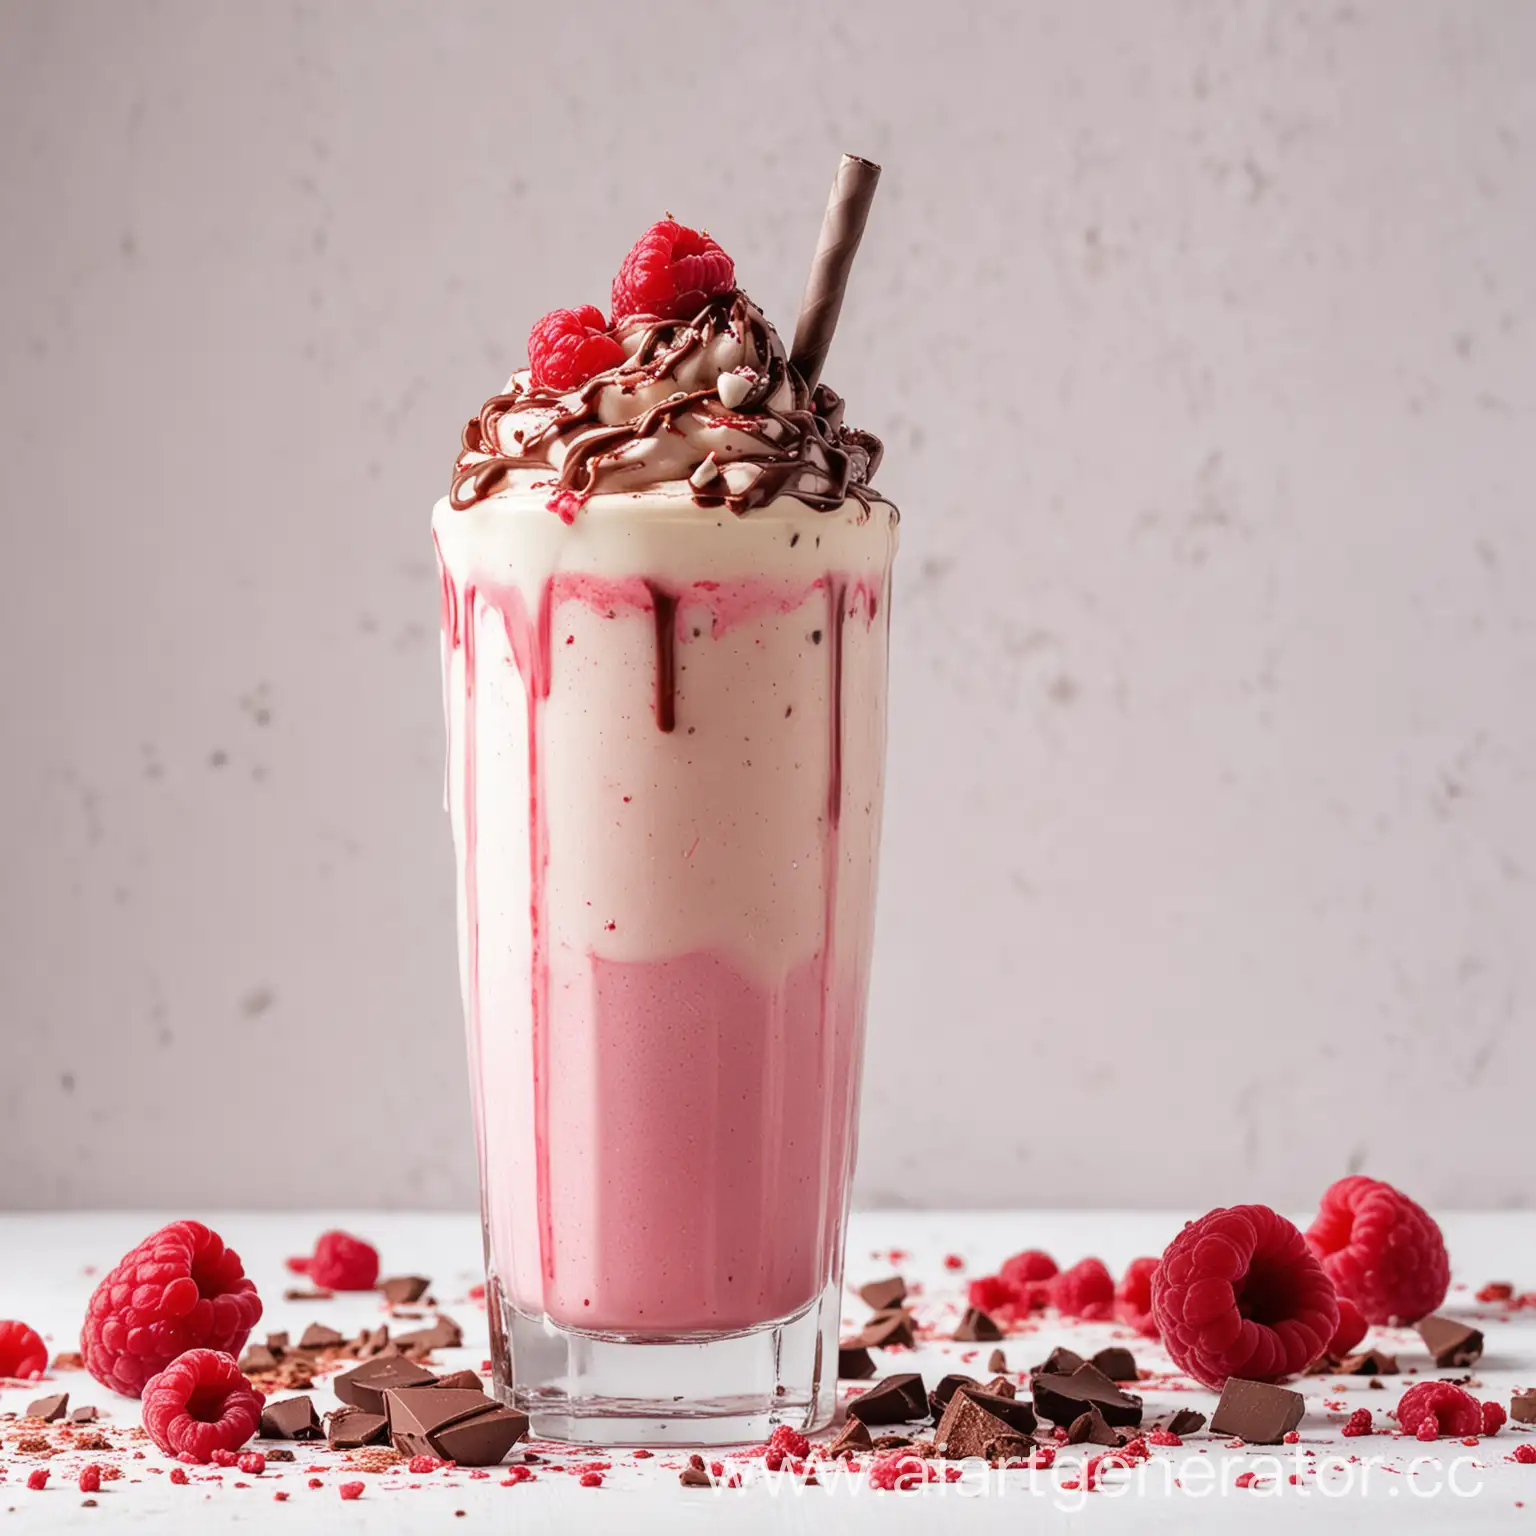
665 595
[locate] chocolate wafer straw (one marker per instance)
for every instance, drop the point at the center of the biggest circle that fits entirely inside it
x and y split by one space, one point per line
853 190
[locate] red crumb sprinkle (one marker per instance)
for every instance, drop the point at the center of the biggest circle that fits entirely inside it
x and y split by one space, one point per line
788 1441
223 1457
37 1479
253 1462
351 1490
280 1496
1358 1423
1164 1437
315 1482
1291 1437
591 1479
953 1261
1247 1479
421 1465
179 1476
90 1479
642 1455
1497 1290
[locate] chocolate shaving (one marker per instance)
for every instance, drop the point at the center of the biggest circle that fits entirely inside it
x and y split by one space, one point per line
1451 1344
1257 1412
895 1400
882 1295
976 1328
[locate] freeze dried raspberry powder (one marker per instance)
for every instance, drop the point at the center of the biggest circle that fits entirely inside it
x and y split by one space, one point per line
1238 1293
180 1289
22 1351
1381 1250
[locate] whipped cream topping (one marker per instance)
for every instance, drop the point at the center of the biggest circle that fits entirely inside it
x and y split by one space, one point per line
710 407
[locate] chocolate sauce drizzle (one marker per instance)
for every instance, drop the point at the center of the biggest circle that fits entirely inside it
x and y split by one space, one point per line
806 451
664 606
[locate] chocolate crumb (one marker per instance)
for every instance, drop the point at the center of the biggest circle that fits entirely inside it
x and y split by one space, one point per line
976 1328
1450 1343
997 1361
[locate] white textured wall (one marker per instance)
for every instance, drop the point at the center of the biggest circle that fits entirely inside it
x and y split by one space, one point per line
1202 339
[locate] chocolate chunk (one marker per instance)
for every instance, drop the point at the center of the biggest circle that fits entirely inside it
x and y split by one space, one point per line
318 1336
1090 1429
976 1328
278 1342
882 1295
1001 1386
997 1361
887 1328
1370 1362
1257 1412
1376 1384
1007 1449
443 1334
402 1290
372 1341
695 1477
85 1414
365 1386
293 1418
467 1427
852 1437
1117 1363
1522 1406
1017 1414
1451 1343
465 1379
892 1443
1061 1399
895 1400
938 1399
853 1362
49 1409
258 1358
279 1453
1060 1362
967 1428
349 1429
1182 1421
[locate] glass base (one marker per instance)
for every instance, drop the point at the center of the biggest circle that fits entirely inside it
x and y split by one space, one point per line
697 1389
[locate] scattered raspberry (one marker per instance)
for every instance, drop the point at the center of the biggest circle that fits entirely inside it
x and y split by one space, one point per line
1359 1423
789 1442
179 1476
1163 1437
1133 1297
1238 1294
1435 1408
342 1262
953 1261
1027 1275
1497 1290
992 1295
1381 1250
350 1490
90 1478
181 1289
1525 1453
1350 1331
1493 1418
672 272
421 1465
896 1472
253 1463
1087 1290
22 1351
1291 1437
568 346
199 1405
591 1479
280 1496
1247 1479
315 1482
37 1479
1043 1456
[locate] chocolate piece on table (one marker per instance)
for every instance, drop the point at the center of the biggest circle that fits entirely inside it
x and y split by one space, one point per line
887 1328
1000 1386
976 1328
402 1290
279 1453
695 1477
318 1336
365 1386
443 1334
853 1436
1369 1362
1060 1362
1324 1365
1017 1414
1449 1342
467 1427
278 1342
891 1443
1181 1421
349 1429
967 1428
1257 1412
1118 1363
1090 1429
258 1358
997 1361
1008 1448
466 1379
86 1413
49 1409
853 1362
294 1418
895 1400
938 1399
1061 1399
1522 1406
882 1295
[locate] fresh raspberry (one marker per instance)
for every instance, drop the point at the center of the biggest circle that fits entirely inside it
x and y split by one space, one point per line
200 1404
1358 1423
1238 1294
1493 1418
180 1289
1027 1276
568 346
789 1442
1435 1408
1525 1453
22 1351
342 1262
1133 1297
350 1490
1087 1290
672 272
1381 1250
179 1476
37 1479
1350 1331
990 1294
90 1478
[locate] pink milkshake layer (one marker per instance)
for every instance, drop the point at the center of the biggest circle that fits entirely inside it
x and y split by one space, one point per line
666 730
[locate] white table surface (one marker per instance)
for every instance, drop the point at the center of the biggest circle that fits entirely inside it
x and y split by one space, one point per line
49 1264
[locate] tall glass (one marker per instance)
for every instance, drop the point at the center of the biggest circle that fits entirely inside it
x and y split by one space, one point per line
665 772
